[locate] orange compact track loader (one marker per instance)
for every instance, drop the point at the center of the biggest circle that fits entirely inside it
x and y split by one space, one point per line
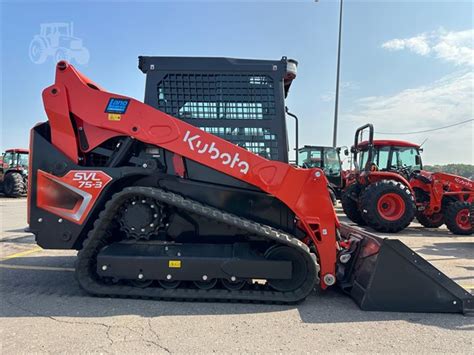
160 207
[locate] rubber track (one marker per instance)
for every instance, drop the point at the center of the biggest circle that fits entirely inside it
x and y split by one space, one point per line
97 238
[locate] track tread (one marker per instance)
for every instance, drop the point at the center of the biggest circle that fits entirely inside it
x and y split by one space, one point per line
97 238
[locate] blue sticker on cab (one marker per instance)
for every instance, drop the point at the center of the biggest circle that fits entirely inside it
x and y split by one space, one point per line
117 105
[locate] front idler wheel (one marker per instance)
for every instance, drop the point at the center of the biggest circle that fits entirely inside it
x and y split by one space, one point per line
299 270
387 206
457 218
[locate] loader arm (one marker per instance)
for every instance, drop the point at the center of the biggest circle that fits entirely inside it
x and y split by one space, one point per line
73 97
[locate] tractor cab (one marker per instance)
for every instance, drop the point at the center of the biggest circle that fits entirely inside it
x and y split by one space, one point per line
16 159
326 158
389 155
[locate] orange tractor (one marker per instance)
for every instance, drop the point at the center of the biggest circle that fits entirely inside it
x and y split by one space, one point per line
388 188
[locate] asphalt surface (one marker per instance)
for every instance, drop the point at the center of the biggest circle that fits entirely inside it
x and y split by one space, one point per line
43 310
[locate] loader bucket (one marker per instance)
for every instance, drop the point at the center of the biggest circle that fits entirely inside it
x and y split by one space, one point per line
386 275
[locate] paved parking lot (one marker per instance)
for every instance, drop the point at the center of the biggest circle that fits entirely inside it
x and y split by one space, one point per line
43 310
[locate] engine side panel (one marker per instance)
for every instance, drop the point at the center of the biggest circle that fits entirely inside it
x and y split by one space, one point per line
53 205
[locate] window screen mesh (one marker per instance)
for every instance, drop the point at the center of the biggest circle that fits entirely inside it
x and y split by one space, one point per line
217 96
258 140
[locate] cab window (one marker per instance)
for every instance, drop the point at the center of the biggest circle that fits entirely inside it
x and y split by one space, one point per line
310 159
8 160
381 158
404 157
315 159
332 165
302 157
23 160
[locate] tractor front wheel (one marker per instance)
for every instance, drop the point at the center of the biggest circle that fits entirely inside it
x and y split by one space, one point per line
350 204
13 185
434 221
457 218
387 206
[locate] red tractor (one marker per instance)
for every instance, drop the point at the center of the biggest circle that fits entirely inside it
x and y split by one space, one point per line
388 188
14 172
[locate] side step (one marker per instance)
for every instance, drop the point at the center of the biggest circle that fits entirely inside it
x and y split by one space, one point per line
386 275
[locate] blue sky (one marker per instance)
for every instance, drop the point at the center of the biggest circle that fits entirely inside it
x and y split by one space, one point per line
405 65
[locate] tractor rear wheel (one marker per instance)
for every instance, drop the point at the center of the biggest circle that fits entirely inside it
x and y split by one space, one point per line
387 206
350 205
457 217
13 185
434 221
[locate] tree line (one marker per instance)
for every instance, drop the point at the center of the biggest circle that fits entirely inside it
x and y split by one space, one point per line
466 170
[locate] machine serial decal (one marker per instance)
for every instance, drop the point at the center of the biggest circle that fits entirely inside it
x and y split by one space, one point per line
116 105
195 143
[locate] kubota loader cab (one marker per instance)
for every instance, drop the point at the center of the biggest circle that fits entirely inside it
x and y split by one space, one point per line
14 172
388 188
239 100
328 159
159 208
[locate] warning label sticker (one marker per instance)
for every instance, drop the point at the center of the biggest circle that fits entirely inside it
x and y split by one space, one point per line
114 117
175 264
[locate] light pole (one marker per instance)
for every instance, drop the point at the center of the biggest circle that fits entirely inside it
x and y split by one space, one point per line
336 101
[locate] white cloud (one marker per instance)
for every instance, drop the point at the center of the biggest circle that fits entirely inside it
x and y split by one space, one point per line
418 44
450 46
446 101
